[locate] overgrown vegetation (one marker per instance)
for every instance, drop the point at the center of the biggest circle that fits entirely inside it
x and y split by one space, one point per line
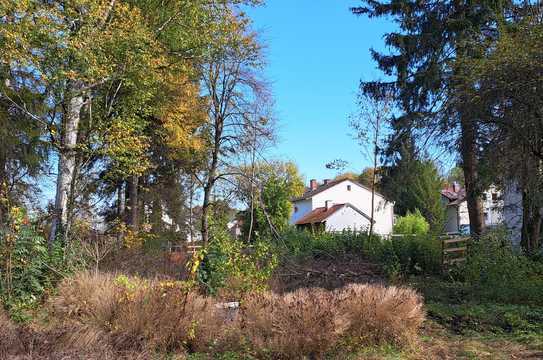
399 256
411 224
103 314
29 268
497 272
233 266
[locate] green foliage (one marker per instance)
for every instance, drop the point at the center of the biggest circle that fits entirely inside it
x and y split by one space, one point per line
299 244
27 269
235 266
497 318
412 224
280 182
495 271
416 185
399 256
406 255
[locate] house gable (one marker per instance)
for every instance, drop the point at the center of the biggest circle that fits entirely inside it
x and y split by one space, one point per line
346 192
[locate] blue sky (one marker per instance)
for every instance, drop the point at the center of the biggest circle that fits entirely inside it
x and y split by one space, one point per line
317 52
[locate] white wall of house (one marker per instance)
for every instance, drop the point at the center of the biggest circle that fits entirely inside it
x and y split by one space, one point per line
493 208
347 219
361 198
451 225
350 192
300 209
463 213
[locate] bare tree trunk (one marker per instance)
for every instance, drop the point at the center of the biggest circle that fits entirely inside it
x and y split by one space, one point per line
4 196
374 177
191 212
531 224
470 164
211 178
121 207
252 219
66 166
121 201
133 216
205 212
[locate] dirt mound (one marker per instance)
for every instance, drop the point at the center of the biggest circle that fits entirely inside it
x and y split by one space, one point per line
327 273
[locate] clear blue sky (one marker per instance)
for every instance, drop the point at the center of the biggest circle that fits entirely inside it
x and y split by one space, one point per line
317 52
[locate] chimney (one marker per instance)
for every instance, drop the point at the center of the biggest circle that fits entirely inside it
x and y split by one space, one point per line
326 181
313 184
328 204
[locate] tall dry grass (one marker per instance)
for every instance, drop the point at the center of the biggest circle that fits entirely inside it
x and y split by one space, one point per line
9 336
312 322
167 318
304 322
86 306
97 311
100 314
377 314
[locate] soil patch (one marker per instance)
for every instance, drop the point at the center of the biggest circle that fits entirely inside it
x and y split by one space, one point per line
330 272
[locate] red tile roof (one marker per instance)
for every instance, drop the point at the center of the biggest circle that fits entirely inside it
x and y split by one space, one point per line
454 197
320 214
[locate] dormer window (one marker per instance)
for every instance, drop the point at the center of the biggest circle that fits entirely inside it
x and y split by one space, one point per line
348 187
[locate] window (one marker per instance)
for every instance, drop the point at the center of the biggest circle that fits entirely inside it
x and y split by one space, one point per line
348 187
484 197
494 197
295 209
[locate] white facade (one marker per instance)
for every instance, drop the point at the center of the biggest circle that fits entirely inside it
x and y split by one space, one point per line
347 192
458 215
347 218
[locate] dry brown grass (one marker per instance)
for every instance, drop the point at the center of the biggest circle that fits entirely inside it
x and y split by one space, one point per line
101 314
304 322
378 314
311 322
86 304
9 336
166 317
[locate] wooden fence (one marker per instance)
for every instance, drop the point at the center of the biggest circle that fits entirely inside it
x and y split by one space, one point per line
189 248
453 250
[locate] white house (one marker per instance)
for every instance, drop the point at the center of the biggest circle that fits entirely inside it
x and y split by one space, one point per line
341 205
454 198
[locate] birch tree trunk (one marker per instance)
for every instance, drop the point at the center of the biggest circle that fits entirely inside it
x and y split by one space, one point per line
133 217
66 166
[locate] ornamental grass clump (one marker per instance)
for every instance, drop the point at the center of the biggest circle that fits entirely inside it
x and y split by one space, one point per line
378 314
9 336
289 326
313 322
113 315
129 314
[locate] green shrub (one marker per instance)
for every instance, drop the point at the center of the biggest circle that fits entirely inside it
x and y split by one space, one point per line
27 269
412 224
495 271
399 256
234 266
295 243
405 255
